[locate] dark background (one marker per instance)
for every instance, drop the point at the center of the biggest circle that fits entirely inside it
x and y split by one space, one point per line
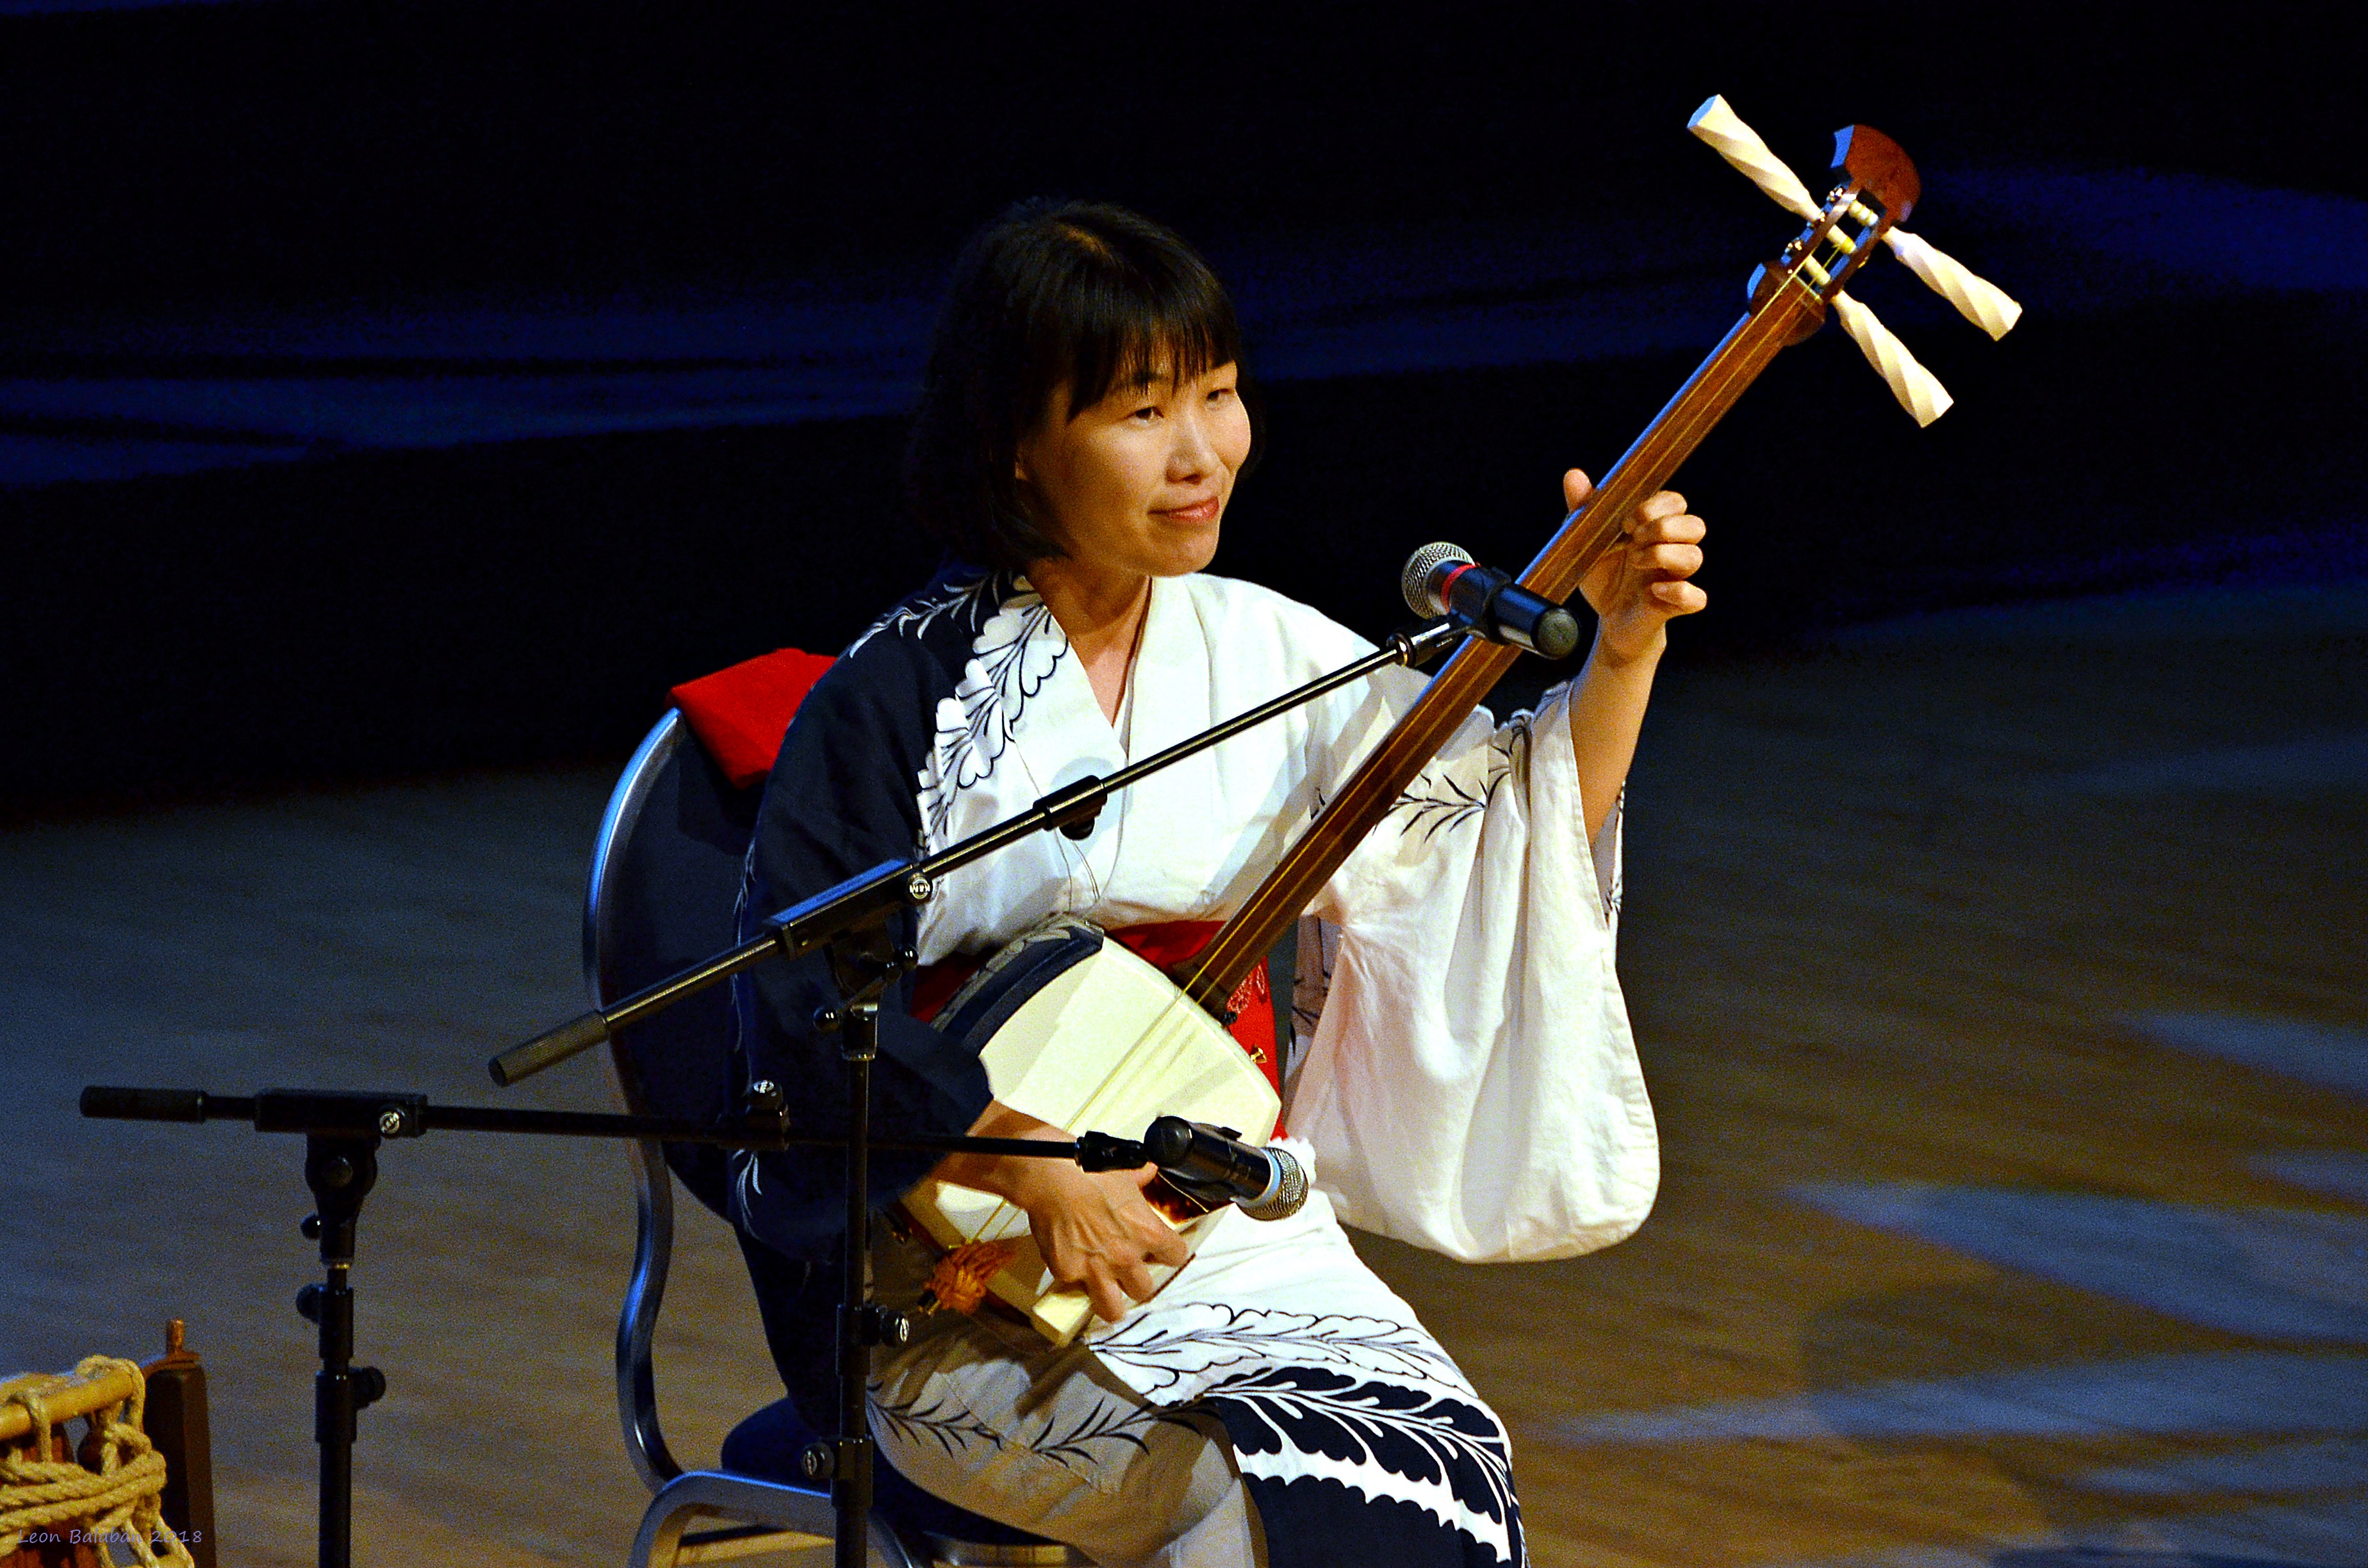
208 210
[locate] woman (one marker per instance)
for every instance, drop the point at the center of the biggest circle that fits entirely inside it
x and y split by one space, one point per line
1467 1084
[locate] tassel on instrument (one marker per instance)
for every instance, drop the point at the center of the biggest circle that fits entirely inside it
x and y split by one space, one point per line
1918 389
957 1284
1980 301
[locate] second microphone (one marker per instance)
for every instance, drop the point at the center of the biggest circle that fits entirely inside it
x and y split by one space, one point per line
1441 579
1213 1163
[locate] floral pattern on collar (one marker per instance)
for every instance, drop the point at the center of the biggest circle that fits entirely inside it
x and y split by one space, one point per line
1013 655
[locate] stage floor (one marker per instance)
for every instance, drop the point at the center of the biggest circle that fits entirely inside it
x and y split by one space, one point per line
2002 979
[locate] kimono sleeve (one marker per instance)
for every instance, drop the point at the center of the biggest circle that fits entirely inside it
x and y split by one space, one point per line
840 800
1471 1085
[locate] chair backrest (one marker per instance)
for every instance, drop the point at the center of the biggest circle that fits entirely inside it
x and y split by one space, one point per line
665 880
665 886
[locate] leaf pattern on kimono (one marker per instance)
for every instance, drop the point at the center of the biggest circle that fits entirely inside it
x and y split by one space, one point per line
1111 1421
951 1425
1015 653
1081 1444
1439 801
1447 1454
917 614
1206 1337
1441 804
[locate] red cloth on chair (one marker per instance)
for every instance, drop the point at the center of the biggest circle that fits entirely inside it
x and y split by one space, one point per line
740 714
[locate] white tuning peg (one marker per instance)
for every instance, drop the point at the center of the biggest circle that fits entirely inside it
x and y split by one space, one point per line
1983 303
1980 302
1741 145
1919 392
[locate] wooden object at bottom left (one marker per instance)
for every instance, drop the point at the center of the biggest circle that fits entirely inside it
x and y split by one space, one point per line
175 1423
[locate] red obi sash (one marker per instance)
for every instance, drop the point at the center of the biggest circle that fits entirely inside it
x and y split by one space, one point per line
1163 945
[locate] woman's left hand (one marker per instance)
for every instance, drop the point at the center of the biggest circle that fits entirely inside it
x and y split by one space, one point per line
1641 582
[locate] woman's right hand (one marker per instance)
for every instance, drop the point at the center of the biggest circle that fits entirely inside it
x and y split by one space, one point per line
1095 1229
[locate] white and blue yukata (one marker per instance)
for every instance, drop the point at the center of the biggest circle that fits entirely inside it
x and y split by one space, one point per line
1464 1079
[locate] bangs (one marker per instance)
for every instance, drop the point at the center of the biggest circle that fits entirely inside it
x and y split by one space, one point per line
1116 315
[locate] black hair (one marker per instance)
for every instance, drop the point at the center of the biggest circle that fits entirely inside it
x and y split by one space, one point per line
1051 292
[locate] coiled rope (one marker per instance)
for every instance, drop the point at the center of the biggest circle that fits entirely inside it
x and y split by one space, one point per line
118 1501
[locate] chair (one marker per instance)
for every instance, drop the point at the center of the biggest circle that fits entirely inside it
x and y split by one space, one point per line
666 876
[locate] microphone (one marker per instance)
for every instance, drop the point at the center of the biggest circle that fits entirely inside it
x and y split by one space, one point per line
1213 1161
1441 579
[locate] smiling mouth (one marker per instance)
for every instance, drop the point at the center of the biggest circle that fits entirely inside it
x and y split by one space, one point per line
1198 512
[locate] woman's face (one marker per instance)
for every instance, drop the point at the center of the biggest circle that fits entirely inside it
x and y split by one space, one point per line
1137 482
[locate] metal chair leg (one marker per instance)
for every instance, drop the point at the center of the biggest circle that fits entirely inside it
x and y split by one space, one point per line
666 1539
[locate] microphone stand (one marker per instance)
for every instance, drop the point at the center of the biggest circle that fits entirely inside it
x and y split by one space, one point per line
343 1128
